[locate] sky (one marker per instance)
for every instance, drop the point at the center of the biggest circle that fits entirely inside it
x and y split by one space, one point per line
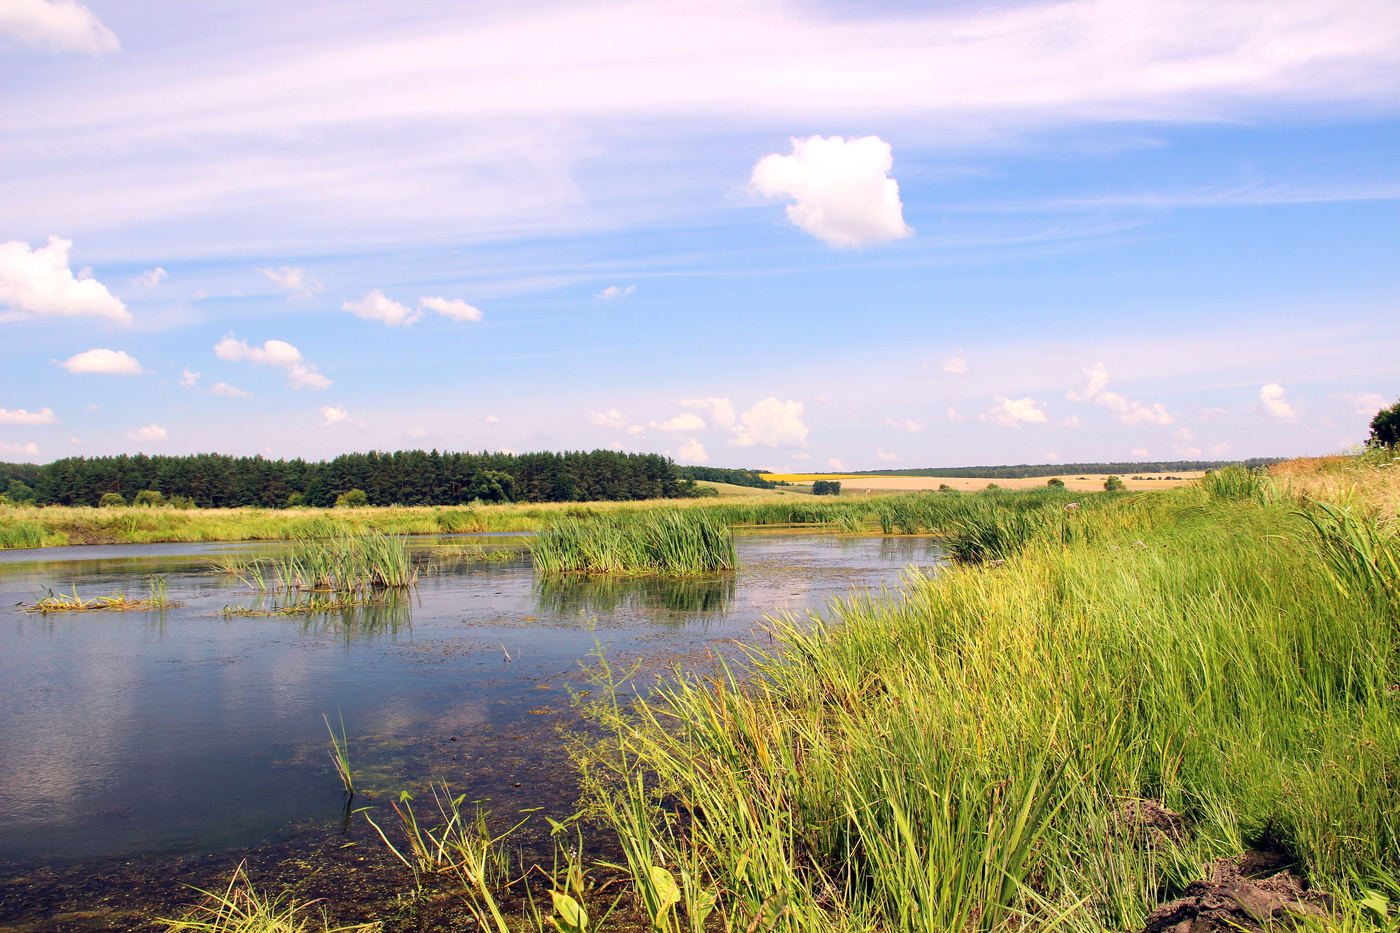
795 235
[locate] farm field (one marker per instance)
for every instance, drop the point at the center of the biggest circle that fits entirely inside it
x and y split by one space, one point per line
1081 482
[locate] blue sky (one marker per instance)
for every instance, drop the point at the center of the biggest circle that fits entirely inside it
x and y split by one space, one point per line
788 235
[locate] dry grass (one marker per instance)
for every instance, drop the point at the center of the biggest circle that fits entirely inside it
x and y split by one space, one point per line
1368 481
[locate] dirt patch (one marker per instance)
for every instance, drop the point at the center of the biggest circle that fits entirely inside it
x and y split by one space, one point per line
1255 891
1149 823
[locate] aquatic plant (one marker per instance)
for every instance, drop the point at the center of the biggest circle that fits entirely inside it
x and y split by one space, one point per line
459 846
157 597
239 908
671 543
340 756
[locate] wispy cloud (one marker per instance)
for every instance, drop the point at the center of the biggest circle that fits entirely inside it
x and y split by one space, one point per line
294 279
613 291
64 25
300 374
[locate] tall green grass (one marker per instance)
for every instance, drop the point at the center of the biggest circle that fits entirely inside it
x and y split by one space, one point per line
676 543
972 755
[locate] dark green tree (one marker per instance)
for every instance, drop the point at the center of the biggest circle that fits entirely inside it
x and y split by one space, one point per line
1385 427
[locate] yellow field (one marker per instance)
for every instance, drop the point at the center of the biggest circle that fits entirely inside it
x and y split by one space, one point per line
1077 481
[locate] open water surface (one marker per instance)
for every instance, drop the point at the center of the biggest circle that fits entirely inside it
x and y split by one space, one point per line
187 732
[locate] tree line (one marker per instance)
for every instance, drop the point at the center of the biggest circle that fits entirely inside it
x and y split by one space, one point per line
751 478
405 477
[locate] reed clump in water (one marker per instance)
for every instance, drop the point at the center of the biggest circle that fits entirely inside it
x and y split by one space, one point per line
970 756
672 543
157 597
345 566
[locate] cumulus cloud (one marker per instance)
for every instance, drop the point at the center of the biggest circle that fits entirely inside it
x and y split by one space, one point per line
612 291
836 465
150 278
693 451
682 422
1011 412
908 424
111 362
30 450
151 432
635 429
802 456
841 190
39 283
20 416
228 391
455 308
612 418
771 423
956 365
58 24
953 415
1071 422
332 416
377 307
1362 403
492 419
892 458
300 374
1140 452
1126 410
720 410
294 279
1274 403
189 378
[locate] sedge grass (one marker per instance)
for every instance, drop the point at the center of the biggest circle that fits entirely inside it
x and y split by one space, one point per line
667 543
959 758
240 908
157 597
340 756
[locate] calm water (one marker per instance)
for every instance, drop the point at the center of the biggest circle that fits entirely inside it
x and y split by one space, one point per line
187 731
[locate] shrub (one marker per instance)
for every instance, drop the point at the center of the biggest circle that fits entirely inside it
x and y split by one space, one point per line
111 500
354 499
1114 484
1385 427
296 500
826 487
1055 482
149 498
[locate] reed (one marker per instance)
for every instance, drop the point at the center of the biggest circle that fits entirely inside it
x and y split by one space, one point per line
970 755
157 597
340 756
239 908
668 543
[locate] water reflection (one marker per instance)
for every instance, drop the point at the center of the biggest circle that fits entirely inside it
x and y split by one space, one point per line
571 595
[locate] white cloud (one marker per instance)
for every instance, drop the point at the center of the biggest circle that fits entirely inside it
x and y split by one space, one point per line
455 308
1052 456
612 418
294 279
1272 397
331 416
377 307
802 456
1140 452
150 278
29 450
1010 412
189 378
59 24
720 410
908 424
956 365
693 452
635 429
953 415
20 416
492 419
772 423
228 391
151 432
612 291
39 283
1071 422
682 422
841 189
836 465
892 458
1362 403
1126 410
300 374
1133 412
112 362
